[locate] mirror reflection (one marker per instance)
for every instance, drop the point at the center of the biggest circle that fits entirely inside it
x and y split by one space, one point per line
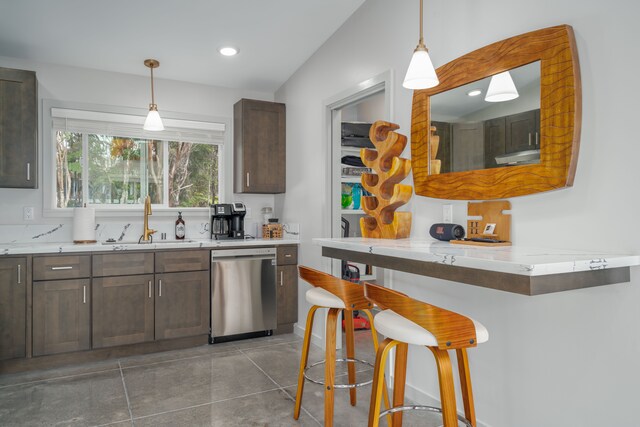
493 122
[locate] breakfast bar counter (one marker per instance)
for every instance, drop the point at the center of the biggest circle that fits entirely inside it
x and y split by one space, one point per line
522 270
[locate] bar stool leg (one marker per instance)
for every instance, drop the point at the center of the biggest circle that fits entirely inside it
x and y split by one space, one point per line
399 379
374 338
378 381
465 386
447 391
351 367
304 358
330 365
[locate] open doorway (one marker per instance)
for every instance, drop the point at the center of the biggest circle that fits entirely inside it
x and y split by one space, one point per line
351 114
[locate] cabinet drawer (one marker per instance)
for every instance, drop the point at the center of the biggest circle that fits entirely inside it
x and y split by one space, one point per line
175 261
122 264
61 267
287 254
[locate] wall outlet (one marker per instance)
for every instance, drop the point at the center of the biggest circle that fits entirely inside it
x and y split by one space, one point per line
27 213
248 214
447 214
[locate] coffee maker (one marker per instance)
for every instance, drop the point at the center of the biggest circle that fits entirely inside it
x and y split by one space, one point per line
227 221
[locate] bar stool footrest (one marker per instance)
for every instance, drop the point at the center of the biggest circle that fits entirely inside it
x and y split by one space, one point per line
362 384
420 408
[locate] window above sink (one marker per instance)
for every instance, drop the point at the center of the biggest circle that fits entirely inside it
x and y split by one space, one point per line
107 161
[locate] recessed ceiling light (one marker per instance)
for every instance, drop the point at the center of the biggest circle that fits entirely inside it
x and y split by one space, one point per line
228 51
474 92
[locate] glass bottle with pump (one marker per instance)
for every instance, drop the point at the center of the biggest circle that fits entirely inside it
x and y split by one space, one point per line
180 228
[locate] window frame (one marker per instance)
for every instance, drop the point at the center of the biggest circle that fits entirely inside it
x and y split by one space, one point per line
134 211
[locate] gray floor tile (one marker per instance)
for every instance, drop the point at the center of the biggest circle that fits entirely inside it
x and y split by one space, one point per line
271 408
91 399
180 384
165 356
66 371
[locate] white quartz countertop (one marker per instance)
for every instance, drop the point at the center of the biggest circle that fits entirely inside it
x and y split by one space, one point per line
526 261
69 247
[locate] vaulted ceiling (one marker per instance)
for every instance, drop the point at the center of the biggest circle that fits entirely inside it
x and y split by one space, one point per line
274 37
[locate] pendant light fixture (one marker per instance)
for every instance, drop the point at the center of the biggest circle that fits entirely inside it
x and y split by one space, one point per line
153 121
421 74
501 88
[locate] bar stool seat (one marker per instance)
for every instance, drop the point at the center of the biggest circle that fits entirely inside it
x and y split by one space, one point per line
392 325
323 298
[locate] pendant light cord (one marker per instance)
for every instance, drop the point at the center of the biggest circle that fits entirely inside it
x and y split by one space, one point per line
153 101
421 41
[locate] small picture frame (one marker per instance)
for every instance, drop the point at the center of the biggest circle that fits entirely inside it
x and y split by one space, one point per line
489 228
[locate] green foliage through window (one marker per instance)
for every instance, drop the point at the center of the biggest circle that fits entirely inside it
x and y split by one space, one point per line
123 171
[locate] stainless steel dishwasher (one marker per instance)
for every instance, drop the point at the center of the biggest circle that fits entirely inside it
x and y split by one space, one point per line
243 293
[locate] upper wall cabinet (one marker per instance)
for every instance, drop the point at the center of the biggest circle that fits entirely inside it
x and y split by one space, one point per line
259 147
18 129
500 146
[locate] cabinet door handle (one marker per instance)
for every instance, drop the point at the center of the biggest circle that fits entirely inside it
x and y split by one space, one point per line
281 278
19 274
288 255
28 171
66 267
248 180
529 138
84 294
159 288
149 288
536 139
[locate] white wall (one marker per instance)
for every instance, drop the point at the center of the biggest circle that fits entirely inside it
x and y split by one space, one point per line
83 85
557 360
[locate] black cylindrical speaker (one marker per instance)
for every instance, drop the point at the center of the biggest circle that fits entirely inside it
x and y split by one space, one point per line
446 232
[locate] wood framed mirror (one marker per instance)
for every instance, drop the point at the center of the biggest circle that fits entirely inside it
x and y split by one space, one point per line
556 140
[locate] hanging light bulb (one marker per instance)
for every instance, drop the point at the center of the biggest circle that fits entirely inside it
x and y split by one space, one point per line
153 121
420 74
501 88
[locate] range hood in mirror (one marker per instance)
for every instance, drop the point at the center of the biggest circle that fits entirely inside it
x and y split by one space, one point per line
520 158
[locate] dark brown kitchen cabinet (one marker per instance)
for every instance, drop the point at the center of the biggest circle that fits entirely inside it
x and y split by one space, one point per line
13 308
61 316
287 288
18 129
287 294
494 141
123 310
182 304
522 131
259 147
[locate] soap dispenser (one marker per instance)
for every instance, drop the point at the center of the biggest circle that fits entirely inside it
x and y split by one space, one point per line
180 229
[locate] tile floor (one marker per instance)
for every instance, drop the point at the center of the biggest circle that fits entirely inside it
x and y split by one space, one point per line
242 383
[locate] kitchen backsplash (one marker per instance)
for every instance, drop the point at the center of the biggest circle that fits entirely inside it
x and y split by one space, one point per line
121 231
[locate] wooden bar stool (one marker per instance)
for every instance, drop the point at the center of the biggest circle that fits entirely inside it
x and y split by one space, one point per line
408 321
338 296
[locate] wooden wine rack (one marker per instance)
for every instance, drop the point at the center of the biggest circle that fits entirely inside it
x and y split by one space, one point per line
382 220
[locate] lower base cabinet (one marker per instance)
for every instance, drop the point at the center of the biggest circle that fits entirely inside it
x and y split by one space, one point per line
13 308
61 316
182 304
123 310
287 294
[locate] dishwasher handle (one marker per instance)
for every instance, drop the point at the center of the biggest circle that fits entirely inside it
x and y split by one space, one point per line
242 257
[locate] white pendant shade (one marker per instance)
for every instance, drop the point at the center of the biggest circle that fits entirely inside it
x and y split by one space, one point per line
421 74
501 88
153 121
